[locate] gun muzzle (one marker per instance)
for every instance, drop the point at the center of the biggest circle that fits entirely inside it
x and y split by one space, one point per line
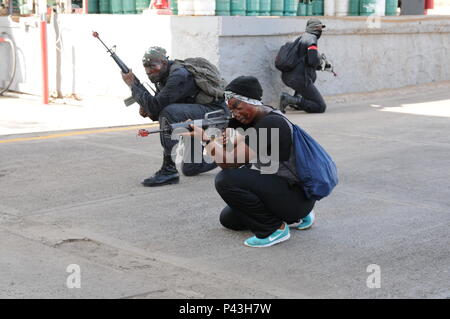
144 132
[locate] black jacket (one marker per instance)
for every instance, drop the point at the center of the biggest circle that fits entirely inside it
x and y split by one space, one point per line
304 73
176 87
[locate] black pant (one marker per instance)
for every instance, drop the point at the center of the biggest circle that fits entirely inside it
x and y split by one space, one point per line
312 101
175 113
259 202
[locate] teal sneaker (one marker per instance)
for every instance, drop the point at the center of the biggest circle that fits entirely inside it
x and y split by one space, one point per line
307 221
277 237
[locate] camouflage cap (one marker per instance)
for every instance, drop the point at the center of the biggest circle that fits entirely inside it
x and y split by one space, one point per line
154 53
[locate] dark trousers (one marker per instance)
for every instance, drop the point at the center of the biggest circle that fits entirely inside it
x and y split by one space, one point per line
259 202
312 101
175 113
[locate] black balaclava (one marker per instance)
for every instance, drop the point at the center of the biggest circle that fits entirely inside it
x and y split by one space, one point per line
314 26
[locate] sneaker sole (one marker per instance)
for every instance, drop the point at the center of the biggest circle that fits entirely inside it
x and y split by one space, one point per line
280 240
305 227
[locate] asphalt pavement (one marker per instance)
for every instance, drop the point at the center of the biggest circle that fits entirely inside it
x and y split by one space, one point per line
71 195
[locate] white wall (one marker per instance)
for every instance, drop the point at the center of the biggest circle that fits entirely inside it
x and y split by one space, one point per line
86 67
27 40
368 54
388 53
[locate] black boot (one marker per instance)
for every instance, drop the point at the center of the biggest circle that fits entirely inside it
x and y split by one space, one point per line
288 100
168 174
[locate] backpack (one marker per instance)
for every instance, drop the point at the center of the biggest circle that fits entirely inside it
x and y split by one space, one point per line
313 167
206 76
287 57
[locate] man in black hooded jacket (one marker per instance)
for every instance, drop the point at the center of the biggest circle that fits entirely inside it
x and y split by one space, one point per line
176 100
302 77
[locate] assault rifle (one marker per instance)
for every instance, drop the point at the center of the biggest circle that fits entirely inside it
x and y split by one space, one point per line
327 65
217 119
122 66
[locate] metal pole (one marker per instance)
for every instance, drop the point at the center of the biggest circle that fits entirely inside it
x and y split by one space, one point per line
45 95
86 6
44 50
